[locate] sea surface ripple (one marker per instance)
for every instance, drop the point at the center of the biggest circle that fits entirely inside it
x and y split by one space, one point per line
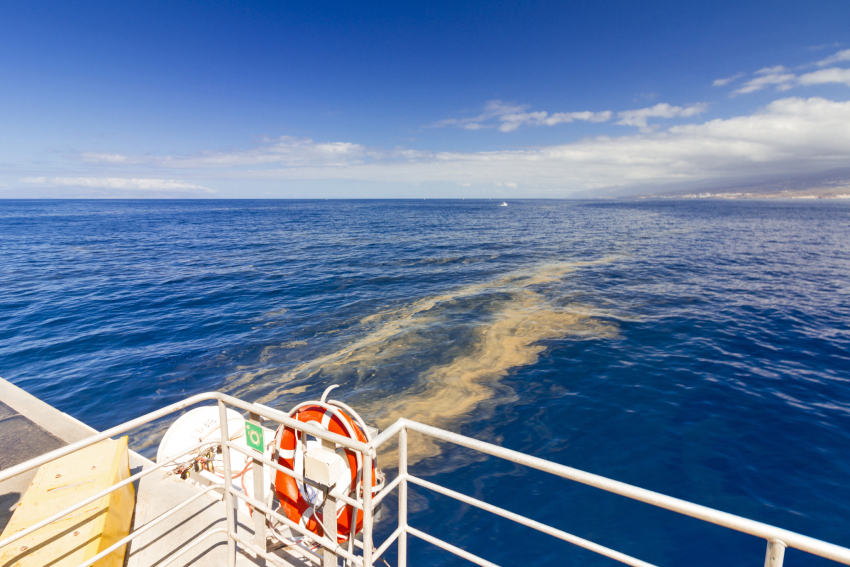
697 348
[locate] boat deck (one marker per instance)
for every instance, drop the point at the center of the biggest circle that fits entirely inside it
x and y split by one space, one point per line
30 428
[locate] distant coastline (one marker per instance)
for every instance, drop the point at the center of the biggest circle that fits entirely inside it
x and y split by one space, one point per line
834 184
843 193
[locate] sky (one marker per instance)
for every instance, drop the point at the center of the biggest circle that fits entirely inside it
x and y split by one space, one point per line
416 100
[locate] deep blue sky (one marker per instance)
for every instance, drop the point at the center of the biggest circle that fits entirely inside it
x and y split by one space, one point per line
150 80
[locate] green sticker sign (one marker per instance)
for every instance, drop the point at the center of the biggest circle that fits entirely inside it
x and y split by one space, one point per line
254 436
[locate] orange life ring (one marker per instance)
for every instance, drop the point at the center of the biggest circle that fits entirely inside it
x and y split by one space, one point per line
294 499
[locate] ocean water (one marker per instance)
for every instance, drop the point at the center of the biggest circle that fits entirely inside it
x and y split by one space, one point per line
697 348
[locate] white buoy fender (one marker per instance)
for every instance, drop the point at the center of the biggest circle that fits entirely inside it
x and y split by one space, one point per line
202 425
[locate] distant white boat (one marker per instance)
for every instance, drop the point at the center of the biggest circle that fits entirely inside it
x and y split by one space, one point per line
504 204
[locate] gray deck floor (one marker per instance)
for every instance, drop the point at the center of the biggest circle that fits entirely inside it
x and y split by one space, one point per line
21 439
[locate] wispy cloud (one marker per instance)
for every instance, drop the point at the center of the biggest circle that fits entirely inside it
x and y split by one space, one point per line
136 184
787 81
286 150
836 58
507 117
823 46
645 96
778 76
511 122
510 117
492 110
832 75
726 80
640 116
104 157
789 135
784 79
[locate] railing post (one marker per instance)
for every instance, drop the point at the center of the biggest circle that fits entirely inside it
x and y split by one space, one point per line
259 474
402 497
775 554
367 508
228 481
329 511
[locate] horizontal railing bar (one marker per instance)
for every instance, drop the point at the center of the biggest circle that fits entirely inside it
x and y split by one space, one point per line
118 429
387 434
264 554
450 548
256 455
283 418
146 527
386 490
300 548
180 551
789 538
581 542
389 541
322 540
37 526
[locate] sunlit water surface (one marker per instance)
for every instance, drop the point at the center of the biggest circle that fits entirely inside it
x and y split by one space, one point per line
696 348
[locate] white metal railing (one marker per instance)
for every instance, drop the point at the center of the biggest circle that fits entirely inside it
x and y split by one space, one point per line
365 554
777 538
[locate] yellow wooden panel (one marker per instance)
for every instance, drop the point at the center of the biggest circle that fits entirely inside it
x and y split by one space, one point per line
86 532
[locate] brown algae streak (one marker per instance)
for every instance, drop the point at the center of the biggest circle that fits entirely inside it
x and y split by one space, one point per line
519 317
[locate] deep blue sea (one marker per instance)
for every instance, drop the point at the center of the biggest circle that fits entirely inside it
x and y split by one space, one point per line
697 348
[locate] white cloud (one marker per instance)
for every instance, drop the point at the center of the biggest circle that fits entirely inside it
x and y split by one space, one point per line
769 76
791 135
843 55
833 75
640 116
492 109
784 80
286 150
726 80
511 122
771 70
103 157
509 117
142 184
